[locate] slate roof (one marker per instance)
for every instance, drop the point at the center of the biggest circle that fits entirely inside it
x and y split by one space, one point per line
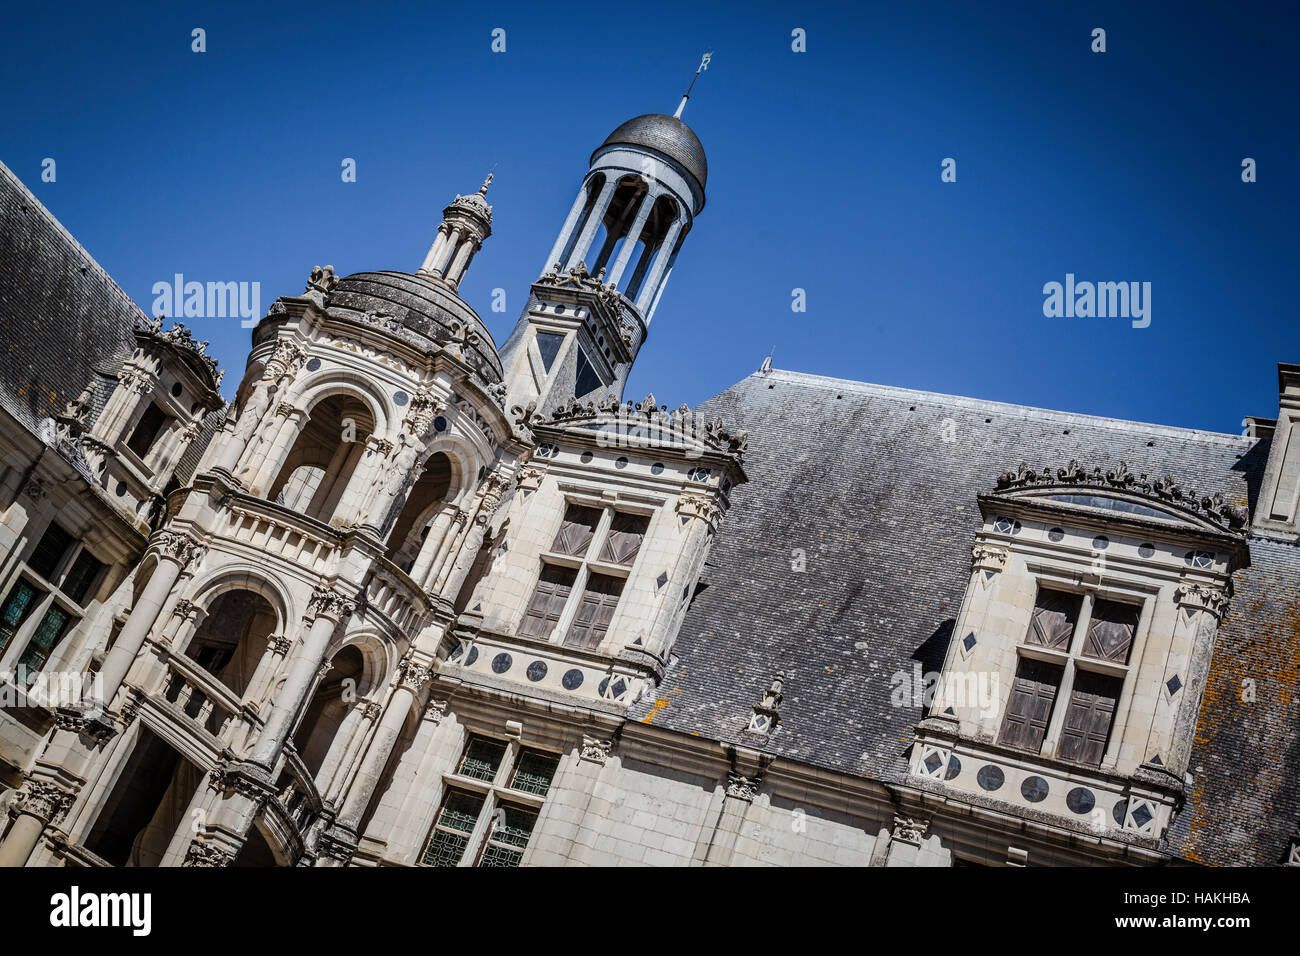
860 478
63 320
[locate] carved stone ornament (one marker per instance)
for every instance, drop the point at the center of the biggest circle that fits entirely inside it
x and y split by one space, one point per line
181 338
280 644
1168 490
987 558
412 676
741 787
327 602
322 279
435 710
910 830
180 548
285 360
185 608
1201 597
42 799
700 506
207 854
767 713
596 749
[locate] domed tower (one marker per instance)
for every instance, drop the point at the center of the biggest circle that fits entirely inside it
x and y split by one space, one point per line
588 313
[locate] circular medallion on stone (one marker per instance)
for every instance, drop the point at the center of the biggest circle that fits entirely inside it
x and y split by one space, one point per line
954 768
602 687
1080 800
1034 789
536 671
990 777
313 364
1147 550
657 468
621 461
400 398
572 679
501 663
120 490
1118 811
177 388
440 424
1101 542
1056 534
471 657
586 457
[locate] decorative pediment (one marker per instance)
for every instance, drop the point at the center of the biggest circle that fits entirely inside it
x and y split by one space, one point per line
1162 497
645 422
180 340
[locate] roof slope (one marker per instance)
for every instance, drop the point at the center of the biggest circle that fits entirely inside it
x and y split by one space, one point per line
61 316
860 479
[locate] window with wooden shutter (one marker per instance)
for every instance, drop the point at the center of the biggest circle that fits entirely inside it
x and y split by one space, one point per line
1030 706
599 599
1053 620
626 533
1110 632
1089 717
576 531
547 604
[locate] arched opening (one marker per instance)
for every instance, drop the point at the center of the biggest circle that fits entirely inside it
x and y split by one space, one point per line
662 216
256 851
324 456
335 694
594 186
232 640
617 221
412 526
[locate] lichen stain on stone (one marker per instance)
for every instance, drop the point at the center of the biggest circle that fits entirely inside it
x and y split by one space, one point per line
659 705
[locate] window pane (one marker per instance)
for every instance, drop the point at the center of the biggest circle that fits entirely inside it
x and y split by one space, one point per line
1053 620
146 432
534 773
599 600
547 604
576 531
482 758
509 837
626 533
48 634
460 811
1110 632
49 551
1089 717
82 576
445 849
1030 706
22 598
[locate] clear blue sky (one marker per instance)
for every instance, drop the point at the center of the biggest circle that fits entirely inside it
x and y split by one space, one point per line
823 174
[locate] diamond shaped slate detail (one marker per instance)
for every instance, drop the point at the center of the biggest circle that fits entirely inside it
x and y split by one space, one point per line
968 641
933 762
1173 684
662 579
1142 816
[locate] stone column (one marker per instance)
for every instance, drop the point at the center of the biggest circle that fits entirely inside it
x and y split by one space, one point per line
594 220
435 250
40 803
566 230
648 291
633 234
412 678
258 464
459 264
444 255
175 552
430 549
329 608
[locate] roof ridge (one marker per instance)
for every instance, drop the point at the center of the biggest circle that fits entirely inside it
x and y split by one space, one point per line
984 403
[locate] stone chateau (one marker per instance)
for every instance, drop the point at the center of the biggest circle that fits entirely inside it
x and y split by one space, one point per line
415 599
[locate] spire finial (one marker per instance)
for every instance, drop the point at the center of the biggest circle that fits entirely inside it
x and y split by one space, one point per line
482 190
704 65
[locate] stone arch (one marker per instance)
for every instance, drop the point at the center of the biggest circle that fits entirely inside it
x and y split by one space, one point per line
432 492
619 216
326 452
317 736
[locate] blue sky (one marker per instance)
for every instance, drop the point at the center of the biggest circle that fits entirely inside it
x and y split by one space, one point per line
824 174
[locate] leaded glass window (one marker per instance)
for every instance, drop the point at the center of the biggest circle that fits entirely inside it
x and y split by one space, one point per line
534 772
20 602
509 836
48 634
482 758
453 828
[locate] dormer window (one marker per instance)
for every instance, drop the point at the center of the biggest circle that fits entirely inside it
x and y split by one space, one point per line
591 557
1076 650
147 430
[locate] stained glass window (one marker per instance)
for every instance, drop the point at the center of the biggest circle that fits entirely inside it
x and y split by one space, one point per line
482 758
534 772
22 598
